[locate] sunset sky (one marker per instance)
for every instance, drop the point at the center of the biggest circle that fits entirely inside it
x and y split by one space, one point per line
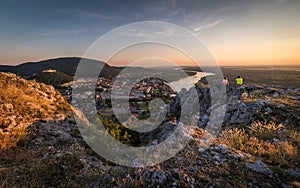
238 32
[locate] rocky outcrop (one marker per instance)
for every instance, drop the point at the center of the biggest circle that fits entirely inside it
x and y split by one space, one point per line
246 104
22 102
259 166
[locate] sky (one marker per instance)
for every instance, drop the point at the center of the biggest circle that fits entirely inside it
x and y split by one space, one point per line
237 32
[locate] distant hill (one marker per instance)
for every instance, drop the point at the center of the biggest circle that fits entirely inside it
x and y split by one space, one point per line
67 65
66 68
52 78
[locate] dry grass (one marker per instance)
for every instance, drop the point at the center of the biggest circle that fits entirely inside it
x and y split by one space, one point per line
268 141
12 138
264 130
21 103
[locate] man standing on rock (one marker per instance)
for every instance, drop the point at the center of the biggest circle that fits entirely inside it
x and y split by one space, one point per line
239 81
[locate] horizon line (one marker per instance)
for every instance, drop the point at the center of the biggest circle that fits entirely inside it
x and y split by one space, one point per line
63 57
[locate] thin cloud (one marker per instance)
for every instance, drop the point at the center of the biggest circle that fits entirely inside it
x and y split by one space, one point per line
173 3
7 23
227 9
207 25
166 33
55 32
99 16
161 6
137 15
136 33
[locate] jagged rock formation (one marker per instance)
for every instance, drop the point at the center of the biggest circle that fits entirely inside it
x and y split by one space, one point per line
247 104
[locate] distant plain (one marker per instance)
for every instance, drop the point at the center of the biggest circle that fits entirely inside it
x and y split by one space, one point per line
284 76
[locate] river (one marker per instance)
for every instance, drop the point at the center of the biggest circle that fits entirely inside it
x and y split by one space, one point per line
188 82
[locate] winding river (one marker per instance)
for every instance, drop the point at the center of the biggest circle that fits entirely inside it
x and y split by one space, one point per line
188 82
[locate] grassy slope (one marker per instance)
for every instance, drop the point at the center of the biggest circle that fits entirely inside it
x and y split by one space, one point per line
22 102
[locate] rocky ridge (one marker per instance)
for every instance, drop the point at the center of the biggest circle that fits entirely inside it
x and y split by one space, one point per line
53 152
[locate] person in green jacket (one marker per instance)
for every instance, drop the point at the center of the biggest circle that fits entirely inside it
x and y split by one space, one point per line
239 81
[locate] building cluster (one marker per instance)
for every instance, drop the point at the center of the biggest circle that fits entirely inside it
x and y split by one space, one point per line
145 89
140 95
141 92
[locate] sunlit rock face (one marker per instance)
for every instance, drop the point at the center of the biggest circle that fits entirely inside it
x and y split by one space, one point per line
23 102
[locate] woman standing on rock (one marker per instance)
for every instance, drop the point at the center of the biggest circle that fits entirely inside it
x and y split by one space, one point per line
225 81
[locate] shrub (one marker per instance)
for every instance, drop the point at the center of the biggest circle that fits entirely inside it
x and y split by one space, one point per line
265 130
120 133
